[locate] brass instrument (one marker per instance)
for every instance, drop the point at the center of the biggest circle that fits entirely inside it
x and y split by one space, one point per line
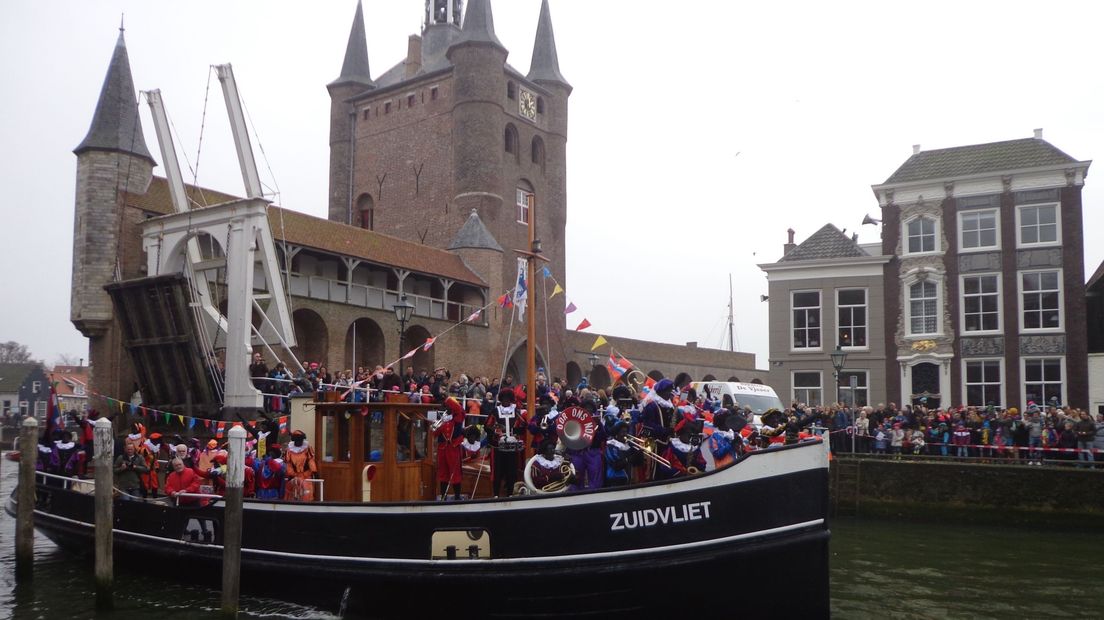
635 381
647 449
439 422
693 471
567 470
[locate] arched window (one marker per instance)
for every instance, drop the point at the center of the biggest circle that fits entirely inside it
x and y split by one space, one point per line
540 105
367 211
525 197
511 90
511 140
538 152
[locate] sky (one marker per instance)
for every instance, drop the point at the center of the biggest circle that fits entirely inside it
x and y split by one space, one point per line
699 131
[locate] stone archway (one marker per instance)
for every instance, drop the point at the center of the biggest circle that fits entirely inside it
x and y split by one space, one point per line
655 375
574 375
364 344
734 379
599 378
682 380
517 366
709 378
312 339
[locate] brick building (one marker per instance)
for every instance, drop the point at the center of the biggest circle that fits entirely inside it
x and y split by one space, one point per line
436 167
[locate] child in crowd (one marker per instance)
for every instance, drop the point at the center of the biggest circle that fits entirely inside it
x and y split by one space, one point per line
881 439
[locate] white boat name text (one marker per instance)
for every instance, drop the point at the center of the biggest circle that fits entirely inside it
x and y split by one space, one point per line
659 516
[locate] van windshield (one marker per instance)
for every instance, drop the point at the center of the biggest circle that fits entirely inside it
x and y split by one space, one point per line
759 403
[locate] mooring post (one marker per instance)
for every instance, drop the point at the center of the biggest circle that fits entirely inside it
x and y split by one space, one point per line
105 517
232 522
24 520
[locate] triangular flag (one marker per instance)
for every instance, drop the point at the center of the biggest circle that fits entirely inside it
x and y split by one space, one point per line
428 344
585 324
145 412
474 316
570 308
191 422
547 272
556 291
166 414
220 429
121 409
597 343
181 418
411 354
505 301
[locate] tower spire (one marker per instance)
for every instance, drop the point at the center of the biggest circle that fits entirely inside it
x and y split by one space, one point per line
479 25
115 124
545 66
355 68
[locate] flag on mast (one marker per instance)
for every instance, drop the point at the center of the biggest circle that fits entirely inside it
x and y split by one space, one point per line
521 292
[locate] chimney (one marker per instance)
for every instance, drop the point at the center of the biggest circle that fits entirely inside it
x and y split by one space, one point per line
1039 133
854 237
692 345
789 243
413 62
915 149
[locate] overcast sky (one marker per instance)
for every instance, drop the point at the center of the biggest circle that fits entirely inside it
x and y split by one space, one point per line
820 100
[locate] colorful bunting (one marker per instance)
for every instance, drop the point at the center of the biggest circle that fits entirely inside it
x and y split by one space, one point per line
283 424
474 316
547 273
410 354
428 344
616 368
599 342
221 428
556 291
585 324
505 301
570 308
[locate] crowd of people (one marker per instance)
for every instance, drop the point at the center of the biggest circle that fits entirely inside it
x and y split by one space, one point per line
1034 436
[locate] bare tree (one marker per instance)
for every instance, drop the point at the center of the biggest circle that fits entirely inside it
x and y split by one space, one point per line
68 360
12 352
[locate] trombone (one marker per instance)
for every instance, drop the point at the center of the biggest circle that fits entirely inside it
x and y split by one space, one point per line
646 449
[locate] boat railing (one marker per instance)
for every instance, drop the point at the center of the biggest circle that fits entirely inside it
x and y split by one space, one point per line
321 487
211 496
67 482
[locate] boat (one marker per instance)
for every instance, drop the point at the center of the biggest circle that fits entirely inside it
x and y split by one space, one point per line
379 536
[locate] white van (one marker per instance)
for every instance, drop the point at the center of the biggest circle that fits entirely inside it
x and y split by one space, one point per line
755 395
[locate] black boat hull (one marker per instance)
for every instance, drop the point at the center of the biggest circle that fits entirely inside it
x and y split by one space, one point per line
747 537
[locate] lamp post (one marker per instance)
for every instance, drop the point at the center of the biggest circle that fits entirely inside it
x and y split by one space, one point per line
839 358
403 310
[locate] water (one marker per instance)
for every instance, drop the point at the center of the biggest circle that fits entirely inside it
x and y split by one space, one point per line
880 569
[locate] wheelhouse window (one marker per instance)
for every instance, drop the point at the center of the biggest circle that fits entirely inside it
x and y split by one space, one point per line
1039 224
806 320
983 383
923 308
851 310
978 230
920 236
1043 380
1041 296
981 303
807 388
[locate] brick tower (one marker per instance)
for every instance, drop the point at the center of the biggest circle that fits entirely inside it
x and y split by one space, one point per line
112 160
454 129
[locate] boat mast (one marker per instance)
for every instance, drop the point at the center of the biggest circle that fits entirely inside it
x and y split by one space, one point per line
530 308
731 328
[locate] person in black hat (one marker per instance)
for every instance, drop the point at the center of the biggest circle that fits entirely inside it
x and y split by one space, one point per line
506 426
619 456
657 417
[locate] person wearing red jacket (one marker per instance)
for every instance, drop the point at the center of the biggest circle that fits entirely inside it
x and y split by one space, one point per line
182 480
450 434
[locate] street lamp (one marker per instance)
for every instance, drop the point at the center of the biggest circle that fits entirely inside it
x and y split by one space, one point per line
403 310
839 358
593 359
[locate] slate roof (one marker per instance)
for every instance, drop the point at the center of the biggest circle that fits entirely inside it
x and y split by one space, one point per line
979 158
479 24
321 234
12 376
545 66
828 242
1096 281
355 68
115 124
474 234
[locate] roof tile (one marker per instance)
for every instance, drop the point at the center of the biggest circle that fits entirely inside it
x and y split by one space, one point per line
828 242
979 158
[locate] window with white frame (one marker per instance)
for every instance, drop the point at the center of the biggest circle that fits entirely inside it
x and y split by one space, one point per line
983 383
978 230
858 396
1043 380
806 319
923 308
35 387
851 311
523 198
1038 224
920 235
807 388
40 409
981 303
1041 296
24 407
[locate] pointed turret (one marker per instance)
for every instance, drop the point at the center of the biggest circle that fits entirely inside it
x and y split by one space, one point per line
479 25
355 68
115 124
545 66
474 235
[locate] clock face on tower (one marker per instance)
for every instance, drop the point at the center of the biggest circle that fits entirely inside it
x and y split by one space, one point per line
527 104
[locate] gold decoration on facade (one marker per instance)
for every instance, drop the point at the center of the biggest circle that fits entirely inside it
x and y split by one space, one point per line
923 345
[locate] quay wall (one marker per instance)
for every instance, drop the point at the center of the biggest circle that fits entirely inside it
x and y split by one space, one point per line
971 492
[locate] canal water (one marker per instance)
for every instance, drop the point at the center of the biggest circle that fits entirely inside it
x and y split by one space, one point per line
880 569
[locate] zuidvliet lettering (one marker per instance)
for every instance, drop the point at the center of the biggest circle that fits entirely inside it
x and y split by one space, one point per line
650 517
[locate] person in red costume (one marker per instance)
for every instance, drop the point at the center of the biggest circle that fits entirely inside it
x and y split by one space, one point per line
182 480
450 434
